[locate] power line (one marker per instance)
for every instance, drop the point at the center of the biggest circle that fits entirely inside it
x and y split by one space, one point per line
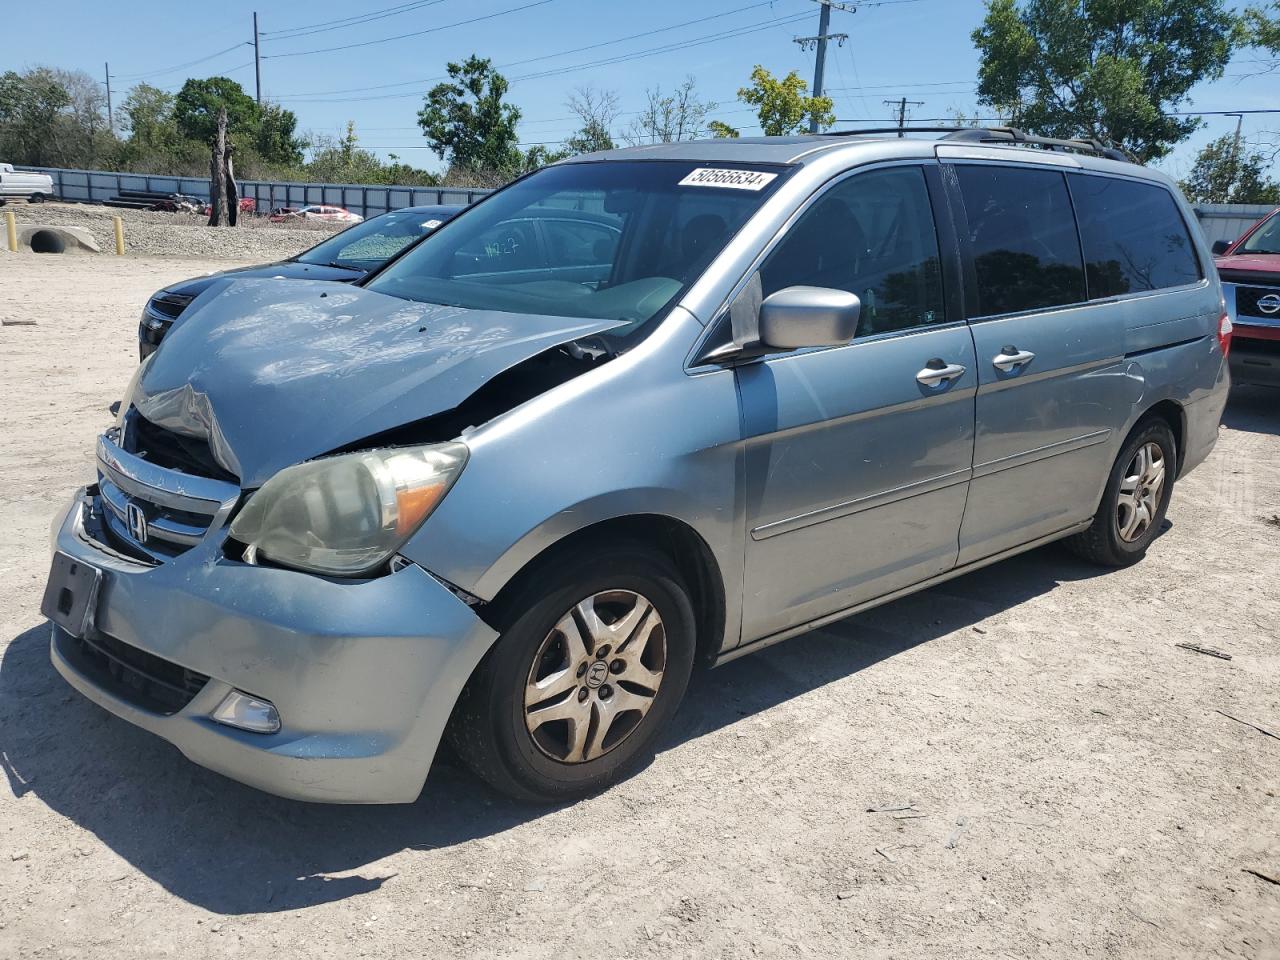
415 33
909 86
646 33
680 45
548 56
222 73
181 66
306 30
621 58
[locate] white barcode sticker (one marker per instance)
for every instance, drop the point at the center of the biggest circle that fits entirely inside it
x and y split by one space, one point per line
728 179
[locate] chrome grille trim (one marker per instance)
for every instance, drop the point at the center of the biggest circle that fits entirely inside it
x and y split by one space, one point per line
162 528
126 480
169 488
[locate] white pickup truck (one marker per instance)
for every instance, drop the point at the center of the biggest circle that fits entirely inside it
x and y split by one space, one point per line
15 185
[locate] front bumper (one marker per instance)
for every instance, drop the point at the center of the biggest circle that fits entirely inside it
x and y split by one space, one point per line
1255 354
364 673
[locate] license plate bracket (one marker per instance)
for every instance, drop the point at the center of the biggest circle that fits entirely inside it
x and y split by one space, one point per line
71 595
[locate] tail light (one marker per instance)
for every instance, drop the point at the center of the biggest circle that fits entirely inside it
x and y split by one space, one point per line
1224 333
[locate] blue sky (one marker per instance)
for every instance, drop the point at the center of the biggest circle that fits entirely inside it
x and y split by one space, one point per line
914 48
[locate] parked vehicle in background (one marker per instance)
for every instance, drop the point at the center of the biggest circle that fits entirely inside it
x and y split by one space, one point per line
247 205
19 185
1250 271
344 257
317 212
516 499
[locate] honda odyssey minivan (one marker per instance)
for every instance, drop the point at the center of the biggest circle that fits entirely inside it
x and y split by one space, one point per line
759 386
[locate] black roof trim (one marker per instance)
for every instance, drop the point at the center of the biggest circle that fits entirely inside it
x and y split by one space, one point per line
1000 135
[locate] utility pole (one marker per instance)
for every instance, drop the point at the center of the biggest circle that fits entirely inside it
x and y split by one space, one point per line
820 44
111 121
257 60
902 105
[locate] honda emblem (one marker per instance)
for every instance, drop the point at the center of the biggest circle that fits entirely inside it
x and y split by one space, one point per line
137 522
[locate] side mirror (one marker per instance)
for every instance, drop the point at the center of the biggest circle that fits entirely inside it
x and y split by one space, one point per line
798 317
1220 247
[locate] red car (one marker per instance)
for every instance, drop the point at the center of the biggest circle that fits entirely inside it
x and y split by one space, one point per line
1250 270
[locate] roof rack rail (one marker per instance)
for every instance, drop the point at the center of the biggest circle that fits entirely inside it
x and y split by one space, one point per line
1002 135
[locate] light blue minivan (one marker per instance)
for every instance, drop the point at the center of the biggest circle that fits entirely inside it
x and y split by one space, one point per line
517 483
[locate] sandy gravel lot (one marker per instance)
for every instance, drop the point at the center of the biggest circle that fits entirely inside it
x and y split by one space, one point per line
147 233
1073 791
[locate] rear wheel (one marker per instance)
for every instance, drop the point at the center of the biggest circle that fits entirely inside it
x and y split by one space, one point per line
593 660
1134 503
37 198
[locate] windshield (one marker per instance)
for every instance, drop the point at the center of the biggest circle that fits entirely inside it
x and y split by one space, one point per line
612 240
1266 239
368 244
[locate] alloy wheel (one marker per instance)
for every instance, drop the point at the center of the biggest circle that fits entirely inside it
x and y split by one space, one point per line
1140 491
595 676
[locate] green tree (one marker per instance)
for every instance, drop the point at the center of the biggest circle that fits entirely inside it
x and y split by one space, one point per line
147 116
343 160
277 142
1224 174
539 156
784 106
1261 27
30 106
722 131
467 121
1111 69
195 110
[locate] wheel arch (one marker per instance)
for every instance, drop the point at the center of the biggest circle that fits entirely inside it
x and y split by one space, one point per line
1172 413
688 551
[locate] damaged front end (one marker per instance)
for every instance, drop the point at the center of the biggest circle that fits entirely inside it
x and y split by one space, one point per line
242 537
339 413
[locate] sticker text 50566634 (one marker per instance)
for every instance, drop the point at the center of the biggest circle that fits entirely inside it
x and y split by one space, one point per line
728 179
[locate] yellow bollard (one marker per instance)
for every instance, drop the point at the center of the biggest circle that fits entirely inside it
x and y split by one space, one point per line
12 223
119 236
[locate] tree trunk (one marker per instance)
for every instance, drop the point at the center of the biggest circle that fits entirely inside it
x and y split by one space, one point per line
233 193
217 174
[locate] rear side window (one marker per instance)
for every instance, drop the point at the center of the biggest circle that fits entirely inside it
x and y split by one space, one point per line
872 235
1134 237
1023 235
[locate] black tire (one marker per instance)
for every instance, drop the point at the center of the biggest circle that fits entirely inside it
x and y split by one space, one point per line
1101 542
488 729
37 198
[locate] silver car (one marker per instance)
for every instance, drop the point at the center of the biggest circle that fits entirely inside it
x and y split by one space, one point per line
517 484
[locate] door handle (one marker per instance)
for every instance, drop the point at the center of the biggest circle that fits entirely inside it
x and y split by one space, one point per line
1011 358
937 371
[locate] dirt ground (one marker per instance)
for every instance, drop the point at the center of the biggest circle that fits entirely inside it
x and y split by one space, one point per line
1073 790
147 233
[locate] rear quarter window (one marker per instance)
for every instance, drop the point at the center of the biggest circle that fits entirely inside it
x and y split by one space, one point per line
1134 236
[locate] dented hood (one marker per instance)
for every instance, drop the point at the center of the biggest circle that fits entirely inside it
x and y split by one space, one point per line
274 372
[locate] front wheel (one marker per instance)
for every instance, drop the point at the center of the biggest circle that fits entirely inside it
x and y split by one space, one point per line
1135 501
593 660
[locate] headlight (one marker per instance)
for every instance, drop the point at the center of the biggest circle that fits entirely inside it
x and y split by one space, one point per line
347 515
